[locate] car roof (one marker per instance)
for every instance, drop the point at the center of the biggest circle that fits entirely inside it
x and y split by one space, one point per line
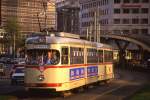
19 68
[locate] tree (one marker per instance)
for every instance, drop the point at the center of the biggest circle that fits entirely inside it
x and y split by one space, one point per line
14 37
12 27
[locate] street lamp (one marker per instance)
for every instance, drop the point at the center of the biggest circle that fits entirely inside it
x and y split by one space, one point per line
14 44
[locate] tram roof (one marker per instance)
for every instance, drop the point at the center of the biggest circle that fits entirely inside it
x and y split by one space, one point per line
63 40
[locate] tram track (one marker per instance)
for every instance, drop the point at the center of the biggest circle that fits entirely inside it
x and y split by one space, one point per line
123 86
125 83
106 92
102 91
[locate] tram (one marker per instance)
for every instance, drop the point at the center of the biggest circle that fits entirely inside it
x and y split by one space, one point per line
74 62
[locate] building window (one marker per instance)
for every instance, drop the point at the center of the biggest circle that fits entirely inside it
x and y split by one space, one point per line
135 21
135 10
125 21
135 31
126 1
94 4
104 21
117 1
145 1
99 3
126 11
144 10
136 1
116 31
107 11
125 31
107 2
144 21
82 7
116 21
116 11
144 31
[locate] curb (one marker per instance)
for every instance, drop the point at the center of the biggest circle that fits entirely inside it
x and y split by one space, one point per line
4 78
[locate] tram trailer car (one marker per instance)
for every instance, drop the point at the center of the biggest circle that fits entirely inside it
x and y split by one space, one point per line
76 62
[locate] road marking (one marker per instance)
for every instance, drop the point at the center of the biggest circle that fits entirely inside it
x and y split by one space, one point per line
109 91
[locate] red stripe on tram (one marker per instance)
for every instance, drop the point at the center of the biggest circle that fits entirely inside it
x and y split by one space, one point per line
43 84
67 66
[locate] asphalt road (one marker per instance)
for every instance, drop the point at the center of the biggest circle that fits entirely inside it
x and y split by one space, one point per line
125 84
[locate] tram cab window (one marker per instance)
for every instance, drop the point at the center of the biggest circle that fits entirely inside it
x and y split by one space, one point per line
52 57
64 57
43 57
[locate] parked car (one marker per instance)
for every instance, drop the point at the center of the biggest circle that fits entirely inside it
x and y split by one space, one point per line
2 69
3 59
17 76
18 61
148 63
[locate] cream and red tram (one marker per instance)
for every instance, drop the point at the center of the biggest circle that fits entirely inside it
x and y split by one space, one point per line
76 62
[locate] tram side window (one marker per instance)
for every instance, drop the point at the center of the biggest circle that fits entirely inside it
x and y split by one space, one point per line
108 56
76 55
92 56
100 56
64 57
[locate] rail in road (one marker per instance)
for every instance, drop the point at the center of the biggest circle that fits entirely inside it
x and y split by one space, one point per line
126 83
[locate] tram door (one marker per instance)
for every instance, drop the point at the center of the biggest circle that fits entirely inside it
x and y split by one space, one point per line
64 55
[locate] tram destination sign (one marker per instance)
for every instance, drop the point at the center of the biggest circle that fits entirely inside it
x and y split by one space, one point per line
37 46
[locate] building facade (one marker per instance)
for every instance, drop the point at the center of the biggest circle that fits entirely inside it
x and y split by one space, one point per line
116 16
2 33
31 14
68 16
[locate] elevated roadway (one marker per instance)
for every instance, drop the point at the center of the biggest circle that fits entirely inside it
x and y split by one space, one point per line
140 40
123 40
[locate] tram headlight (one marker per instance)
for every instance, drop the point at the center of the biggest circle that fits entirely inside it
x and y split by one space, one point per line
41 78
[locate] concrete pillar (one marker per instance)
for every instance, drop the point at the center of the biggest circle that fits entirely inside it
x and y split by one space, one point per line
122 53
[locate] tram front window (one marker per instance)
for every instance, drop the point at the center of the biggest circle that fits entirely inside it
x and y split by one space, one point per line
43 57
